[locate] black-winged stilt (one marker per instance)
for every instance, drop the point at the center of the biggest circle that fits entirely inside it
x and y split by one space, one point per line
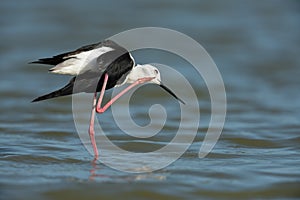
112 63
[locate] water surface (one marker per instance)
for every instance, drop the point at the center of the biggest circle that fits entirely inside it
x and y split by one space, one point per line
255 46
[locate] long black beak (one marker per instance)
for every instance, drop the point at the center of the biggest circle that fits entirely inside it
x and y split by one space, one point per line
171 93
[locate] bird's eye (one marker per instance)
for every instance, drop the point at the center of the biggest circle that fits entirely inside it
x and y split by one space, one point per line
156 71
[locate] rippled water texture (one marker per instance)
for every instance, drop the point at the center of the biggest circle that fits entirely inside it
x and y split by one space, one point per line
256 48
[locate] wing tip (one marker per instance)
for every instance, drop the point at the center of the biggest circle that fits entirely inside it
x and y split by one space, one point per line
36 100
36 62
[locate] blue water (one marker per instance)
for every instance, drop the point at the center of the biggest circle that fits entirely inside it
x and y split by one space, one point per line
255 46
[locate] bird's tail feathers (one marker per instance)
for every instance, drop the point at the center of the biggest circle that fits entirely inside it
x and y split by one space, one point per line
67 90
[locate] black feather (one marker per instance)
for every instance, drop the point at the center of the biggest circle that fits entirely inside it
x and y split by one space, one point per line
55 60
66 90
116 64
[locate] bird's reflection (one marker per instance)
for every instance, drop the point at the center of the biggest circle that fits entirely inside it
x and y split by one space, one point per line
95 168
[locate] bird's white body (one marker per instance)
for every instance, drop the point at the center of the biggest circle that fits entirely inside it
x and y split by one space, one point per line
79 63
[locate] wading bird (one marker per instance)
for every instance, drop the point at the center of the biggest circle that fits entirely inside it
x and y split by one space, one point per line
96 68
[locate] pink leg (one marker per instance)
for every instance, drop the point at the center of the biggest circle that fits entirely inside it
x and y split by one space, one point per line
91 128
102 91
98 108
92 121
137 82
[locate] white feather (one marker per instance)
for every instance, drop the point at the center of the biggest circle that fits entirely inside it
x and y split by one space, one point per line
80 62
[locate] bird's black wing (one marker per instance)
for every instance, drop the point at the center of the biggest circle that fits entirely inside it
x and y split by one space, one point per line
116 64
55 60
